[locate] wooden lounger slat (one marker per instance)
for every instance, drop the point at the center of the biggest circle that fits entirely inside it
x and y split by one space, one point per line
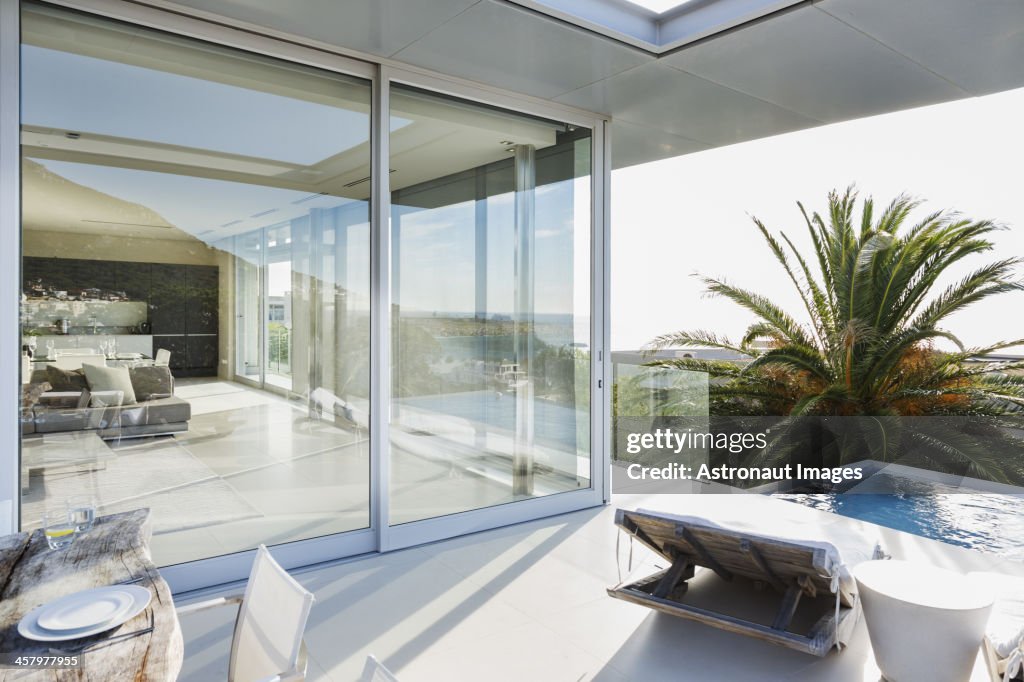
704 554
759 559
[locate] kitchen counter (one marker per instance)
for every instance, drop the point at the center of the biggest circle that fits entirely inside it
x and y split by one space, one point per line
126 343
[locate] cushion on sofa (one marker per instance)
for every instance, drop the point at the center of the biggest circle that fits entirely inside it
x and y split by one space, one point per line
151 383
66 379
30 394
110 379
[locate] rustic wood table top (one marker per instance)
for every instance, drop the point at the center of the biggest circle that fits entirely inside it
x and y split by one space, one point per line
116 550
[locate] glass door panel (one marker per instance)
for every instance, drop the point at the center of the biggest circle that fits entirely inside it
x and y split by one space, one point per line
215 200
491 306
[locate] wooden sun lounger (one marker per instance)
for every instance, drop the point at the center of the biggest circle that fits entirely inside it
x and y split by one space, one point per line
792 569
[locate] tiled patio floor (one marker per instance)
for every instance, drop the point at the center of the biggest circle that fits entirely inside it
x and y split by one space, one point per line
528 603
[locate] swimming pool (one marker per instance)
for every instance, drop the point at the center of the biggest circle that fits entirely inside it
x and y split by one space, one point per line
986 522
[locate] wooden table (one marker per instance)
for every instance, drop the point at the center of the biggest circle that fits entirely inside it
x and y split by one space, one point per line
115 550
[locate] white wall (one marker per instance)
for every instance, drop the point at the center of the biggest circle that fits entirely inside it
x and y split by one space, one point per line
10 264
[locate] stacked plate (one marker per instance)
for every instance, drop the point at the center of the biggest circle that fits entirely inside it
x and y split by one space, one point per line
85 613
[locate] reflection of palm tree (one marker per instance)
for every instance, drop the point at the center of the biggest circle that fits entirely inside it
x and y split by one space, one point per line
874 316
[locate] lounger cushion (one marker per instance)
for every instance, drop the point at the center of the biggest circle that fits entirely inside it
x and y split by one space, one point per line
1005 630
848 542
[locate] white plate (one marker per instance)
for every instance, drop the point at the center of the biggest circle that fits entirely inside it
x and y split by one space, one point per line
30 628
85 609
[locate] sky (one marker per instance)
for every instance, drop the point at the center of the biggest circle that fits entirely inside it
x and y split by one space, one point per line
692 214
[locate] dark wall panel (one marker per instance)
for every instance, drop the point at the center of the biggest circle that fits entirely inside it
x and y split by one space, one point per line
168 298
183 301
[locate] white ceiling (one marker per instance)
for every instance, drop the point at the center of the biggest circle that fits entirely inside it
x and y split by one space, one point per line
819 62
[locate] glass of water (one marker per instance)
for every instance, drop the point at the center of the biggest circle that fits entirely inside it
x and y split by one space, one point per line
81 512
59 530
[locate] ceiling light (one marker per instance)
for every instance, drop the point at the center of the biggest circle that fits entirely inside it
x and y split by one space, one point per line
506 142
72 136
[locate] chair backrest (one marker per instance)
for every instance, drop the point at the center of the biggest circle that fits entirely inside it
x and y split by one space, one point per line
271 620
374 671
163 358
76 361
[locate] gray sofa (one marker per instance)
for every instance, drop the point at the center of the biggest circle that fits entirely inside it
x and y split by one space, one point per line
155 413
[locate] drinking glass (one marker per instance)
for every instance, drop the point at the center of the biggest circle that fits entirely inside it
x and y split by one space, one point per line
59 531
49 349
81 512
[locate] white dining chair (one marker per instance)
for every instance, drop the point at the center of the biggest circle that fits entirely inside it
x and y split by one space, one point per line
375 671
163 358
267 642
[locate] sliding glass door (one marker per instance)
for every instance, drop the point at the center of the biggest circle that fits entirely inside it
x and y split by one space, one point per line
196 220
491 346
201 207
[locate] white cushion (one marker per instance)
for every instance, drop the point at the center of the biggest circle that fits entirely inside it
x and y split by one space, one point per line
110 379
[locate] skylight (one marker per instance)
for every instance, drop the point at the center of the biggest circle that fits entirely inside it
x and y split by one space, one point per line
657 25
658 6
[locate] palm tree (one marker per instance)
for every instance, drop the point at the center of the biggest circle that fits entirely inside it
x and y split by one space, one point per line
865 348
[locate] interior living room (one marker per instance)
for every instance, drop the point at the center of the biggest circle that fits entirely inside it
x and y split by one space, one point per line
196 292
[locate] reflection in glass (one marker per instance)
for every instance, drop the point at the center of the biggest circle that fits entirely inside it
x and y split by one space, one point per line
490 302
213 205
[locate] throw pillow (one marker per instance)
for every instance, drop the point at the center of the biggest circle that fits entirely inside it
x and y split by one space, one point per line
66 379
152 383
110 379
30 394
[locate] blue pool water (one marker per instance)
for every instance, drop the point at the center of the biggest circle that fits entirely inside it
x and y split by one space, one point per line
980 521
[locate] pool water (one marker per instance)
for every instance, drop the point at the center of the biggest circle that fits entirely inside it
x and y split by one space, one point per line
980 521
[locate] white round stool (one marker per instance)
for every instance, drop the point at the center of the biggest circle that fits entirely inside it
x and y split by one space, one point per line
926 623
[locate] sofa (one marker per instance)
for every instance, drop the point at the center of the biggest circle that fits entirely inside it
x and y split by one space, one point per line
59 401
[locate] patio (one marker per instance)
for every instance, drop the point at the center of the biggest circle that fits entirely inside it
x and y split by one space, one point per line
528 602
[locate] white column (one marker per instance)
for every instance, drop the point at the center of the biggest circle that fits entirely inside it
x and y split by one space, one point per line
524 317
